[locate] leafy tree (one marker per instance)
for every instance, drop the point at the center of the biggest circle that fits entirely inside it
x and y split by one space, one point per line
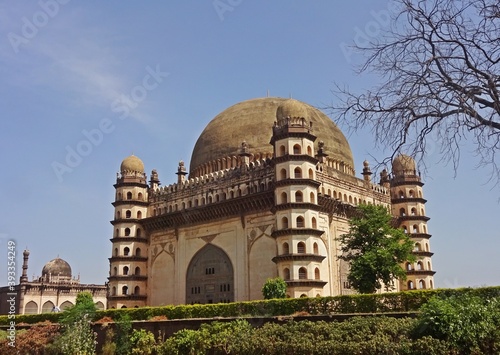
374 249
439 64
84 306
274 288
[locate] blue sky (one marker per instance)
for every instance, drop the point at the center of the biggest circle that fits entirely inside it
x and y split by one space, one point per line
69 69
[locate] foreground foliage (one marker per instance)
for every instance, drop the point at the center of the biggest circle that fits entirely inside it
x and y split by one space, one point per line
274 288
408 301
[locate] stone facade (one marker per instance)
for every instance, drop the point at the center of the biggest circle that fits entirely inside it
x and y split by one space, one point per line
271 187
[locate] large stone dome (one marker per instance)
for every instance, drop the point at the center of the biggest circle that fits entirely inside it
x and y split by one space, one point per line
252 121
57 267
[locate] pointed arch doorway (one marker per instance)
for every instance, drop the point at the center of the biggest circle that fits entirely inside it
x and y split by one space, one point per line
210 277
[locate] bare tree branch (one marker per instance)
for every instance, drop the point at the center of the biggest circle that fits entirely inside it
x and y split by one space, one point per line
440 69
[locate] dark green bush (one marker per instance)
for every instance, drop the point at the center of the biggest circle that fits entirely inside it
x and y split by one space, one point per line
465 321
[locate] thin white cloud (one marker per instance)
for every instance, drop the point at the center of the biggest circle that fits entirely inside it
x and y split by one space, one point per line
67 56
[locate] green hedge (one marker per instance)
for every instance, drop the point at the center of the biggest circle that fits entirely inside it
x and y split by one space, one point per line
374 303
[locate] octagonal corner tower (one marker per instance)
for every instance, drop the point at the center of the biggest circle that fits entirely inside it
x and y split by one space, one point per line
251 121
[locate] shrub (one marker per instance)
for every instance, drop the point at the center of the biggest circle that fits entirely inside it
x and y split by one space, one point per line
466 321
274 288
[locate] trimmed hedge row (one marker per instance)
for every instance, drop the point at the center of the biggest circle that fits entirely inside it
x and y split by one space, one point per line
374 303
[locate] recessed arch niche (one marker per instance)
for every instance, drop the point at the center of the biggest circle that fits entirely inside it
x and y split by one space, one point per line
210 277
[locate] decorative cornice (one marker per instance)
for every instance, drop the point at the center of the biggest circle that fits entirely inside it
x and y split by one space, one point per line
296 231
408 199
261 201
127 258
420 272
130 202
129 239
128 278
296 205
413 218
298 257
295 157
305 283
295 182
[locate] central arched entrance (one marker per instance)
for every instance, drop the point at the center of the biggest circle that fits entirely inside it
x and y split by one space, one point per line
210 277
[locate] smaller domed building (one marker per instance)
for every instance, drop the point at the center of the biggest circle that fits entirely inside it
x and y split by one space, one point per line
55 290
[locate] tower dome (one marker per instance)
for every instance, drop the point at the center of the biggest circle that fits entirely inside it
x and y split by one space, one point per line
132 163
403 165
56 268
291 109
252 121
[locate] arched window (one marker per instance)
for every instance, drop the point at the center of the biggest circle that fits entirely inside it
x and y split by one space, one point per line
139 214
431 285
137 290
298 197
421 284
116 252
301 248
138 232
413 211
408 267
127 232
411 193
284 197
117 232
284 223
417 247
282 174
286 274
296 149
311 174
129 195
316 274
119 196
297 173
350 199
309 150
315 248
420 266
405 230
415 229
429 265
139 196
302 273
401 194
426 246
314 224
124 290
282 150
345 198
286 248
137 271
410 285
115 271
402 212
125 270
128 214
118 215
312 197
138 252
300 222
126 251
